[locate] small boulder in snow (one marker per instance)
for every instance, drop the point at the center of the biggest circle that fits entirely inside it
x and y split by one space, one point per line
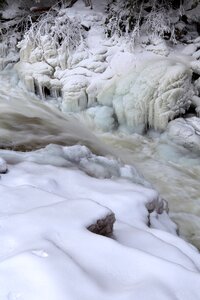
103 226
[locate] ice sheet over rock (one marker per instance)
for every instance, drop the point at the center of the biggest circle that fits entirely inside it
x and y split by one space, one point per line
185 132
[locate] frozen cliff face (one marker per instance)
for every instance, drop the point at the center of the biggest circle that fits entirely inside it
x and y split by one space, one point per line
103 79
151 96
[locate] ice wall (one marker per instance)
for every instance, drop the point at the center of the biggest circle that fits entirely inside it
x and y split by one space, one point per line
105 81
148 96
151 96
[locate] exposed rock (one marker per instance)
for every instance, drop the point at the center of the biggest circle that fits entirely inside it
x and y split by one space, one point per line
159 205
150 206
103 226
39 9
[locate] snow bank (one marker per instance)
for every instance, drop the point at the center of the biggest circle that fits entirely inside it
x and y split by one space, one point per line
46 247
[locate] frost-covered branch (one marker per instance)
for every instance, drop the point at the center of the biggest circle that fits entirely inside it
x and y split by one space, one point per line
128 18
57 28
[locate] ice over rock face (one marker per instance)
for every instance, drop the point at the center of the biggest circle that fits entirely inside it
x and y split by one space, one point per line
185 132
113 85
148 96
151 96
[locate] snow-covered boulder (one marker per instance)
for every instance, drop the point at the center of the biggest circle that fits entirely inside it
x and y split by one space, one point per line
185 132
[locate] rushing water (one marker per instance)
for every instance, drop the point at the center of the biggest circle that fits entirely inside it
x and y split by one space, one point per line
27 123
174 174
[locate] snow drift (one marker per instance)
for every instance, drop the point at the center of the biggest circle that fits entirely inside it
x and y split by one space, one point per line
46 249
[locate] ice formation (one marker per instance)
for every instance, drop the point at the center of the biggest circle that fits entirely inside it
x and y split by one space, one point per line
150 96
140 90
185 132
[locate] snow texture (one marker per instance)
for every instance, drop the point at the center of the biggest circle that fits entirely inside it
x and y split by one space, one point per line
46 248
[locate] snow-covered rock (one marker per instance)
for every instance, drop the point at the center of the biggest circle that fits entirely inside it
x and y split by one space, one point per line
185 132
49 217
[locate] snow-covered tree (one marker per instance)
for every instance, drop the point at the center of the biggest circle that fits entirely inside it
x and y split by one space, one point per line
129 17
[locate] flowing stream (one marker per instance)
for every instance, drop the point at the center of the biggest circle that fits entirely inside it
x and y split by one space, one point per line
176 177
27 123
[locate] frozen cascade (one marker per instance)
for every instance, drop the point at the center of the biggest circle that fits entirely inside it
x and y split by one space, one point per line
145 89
150 96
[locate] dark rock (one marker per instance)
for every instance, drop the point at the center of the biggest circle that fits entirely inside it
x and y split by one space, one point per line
195 76
103 226
87 28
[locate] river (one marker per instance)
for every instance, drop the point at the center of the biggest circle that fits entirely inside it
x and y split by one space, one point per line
26 123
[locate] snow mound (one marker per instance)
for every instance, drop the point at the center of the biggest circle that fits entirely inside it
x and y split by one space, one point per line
45 213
